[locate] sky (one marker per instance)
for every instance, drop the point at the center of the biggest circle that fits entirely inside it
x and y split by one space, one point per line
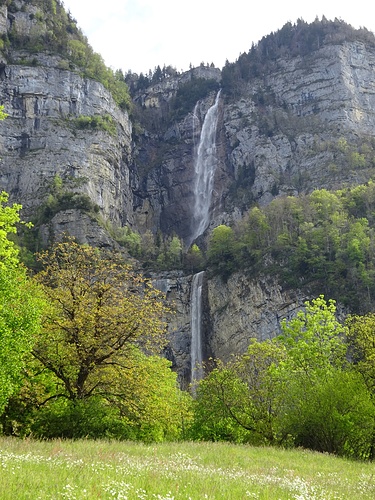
139 35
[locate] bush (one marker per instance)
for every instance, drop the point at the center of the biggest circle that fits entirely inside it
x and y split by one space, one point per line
97 122
91 418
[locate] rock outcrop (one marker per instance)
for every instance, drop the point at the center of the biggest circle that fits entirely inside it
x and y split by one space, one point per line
45 134
292 144
245 308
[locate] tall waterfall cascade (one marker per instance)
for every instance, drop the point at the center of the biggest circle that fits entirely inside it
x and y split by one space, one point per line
205 166
196 350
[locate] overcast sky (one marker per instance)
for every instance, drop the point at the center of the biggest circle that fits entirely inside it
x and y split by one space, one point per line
139 35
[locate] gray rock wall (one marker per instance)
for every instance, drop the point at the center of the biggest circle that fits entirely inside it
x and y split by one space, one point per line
40 139
245 308
233 313
283 146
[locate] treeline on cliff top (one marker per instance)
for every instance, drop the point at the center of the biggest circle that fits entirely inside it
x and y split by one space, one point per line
292 40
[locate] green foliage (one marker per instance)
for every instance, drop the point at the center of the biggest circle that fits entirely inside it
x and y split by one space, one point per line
101 311
239 401
334 415
322 241
221 250
97 122
150 402
194 259
190 93
160 252
95 369
146 405
212 418
131 240
361 342
20 305
297 390
66 419
171 257
3 115
314 340
324 400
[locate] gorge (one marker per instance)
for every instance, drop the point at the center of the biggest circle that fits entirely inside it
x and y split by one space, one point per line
192 152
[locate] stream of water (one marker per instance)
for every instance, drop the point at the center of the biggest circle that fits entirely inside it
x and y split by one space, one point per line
196 352
205 166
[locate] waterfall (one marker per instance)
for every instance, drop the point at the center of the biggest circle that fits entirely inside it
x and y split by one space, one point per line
196 351
205 166
195 121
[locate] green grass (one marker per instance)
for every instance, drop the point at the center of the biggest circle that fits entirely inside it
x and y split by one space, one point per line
121 470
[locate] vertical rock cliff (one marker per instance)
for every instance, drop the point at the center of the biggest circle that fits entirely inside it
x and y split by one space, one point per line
56 127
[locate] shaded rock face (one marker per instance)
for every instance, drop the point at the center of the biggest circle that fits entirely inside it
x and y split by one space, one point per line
177 291
39 139
165 197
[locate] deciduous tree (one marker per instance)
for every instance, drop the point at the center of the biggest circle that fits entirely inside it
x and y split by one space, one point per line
327 406
101 311
20 305
239 400
361 340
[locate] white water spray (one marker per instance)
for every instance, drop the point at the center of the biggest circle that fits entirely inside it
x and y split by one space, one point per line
196 351
205 166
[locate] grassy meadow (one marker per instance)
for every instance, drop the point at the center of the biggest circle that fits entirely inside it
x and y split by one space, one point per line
123 470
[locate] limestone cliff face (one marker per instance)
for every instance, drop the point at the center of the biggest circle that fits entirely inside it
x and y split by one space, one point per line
42 136
282 134
289 143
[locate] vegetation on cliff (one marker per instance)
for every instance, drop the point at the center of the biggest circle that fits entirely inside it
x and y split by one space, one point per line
53 30
292 40
322 242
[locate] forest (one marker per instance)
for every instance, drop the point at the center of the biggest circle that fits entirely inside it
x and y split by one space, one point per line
319 241
82 349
